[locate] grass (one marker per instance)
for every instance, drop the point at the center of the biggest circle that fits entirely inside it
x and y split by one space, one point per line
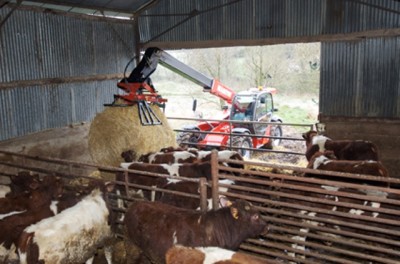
295 114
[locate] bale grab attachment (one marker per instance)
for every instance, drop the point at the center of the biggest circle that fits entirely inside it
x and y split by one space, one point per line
140 91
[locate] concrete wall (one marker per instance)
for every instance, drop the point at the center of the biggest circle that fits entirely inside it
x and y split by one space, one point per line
384 133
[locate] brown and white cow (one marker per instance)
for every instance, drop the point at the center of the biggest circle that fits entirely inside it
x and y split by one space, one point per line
49 198
209 255
72 236
343 149
205 155
21 202
38 206
177 200
189 188
155 227
190 170
26 192
23 182
169 157
190 156
324 161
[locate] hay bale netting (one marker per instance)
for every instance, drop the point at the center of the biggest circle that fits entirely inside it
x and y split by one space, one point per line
118 129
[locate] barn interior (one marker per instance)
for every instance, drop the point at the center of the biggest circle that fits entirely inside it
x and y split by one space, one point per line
61 61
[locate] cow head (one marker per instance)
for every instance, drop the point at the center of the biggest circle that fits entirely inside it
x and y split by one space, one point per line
321 127
128 155
24 181
308 136
320 157
245 214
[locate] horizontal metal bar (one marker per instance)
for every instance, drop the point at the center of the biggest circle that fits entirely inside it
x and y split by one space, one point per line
344 241
235 134
241 122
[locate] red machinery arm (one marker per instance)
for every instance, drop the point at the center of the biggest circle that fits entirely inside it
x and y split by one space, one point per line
222 91
140 90
154 56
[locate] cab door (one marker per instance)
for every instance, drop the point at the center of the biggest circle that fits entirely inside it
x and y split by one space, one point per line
263 113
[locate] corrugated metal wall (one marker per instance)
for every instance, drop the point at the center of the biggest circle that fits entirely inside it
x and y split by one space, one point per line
43 46
36 108
361 78
258 19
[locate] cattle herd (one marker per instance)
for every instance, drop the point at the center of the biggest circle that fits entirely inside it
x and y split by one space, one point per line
349 156
45 220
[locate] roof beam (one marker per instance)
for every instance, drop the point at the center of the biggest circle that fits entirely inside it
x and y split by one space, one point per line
97 8
272 41
9 13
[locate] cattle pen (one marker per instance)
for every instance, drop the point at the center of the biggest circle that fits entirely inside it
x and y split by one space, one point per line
310 219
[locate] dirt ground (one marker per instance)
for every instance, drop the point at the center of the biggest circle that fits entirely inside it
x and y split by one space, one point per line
296 146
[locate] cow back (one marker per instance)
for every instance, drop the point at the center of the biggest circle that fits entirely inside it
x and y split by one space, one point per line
343 149
155 227
181 201
69 237
203 255
367 167
359 150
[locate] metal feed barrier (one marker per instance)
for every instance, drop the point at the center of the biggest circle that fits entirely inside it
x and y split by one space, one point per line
311 220
231 123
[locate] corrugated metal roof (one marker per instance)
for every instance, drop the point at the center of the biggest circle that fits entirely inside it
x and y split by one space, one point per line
118 7
255 22
246 21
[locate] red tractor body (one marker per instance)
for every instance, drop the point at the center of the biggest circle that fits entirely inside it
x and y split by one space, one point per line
253 123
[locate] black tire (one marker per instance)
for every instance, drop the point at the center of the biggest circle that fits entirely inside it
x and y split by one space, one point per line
242 142
188 139
276 131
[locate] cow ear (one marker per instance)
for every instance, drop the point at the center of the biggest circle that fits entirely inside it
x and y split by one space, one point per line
224 202
110 186
235 212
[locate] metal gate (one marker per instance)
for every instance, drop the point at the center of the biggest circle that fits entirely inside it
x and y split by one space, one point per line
311 220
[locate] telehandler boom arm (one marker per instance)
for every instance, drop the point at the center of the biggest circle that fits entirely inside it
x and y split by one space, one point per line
140 90
154 56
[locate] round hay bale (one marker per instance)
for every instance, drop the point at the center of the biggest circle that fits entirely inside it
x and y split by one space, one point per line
118 129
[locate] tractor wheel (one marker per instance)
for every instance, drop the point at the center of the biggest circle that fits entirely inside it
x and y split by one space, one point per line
188 139
276 131
242 143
